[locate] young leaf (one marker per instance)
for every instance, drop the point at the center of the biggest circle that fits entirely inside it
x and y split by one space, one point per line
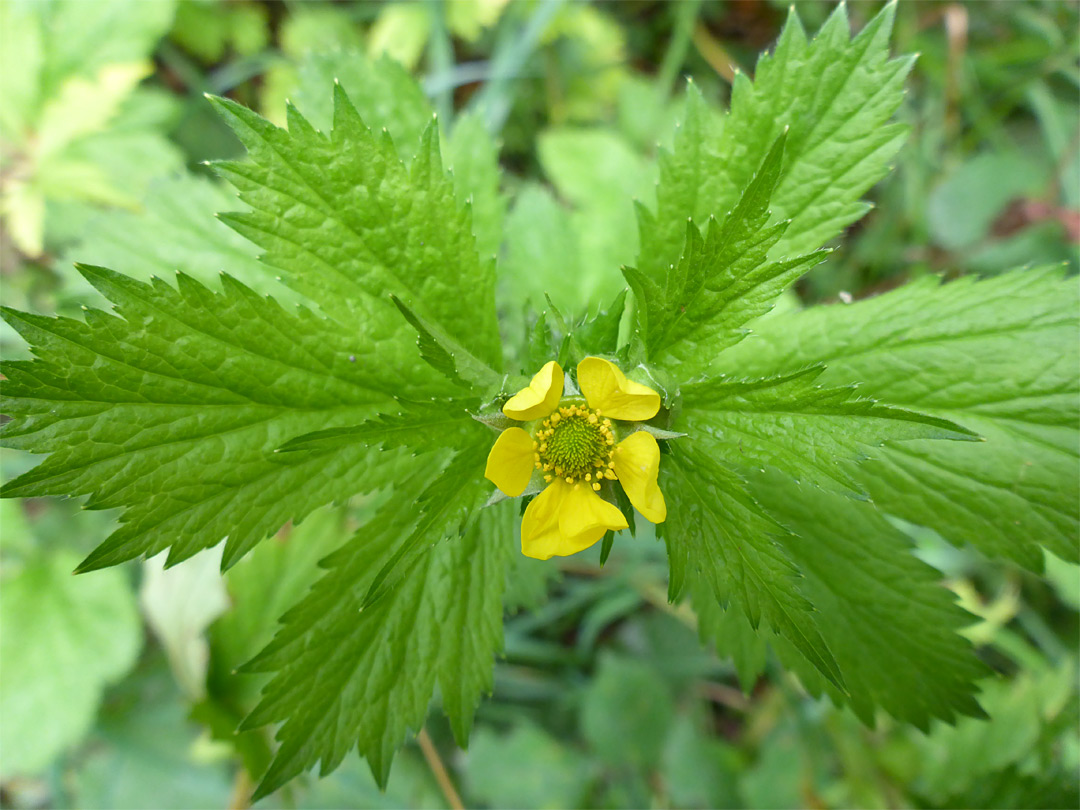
445 355
348 675
413 427
790 423
698 306
999 356
172 411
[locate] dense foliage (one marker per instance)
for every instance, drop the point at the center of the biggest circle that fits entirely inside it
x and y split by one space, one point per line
316 386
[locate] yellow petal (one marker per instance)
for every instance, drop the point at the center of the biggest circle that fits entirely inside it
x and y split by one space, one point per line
510 462
540 398
637 463
540 537
606 388
585 517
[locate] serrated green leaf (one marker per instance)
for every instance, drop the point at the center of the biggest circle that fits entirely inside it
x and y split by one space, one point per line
383 92
1000 357
448 502
792 424
136 410
833 96
697 307
63 639
347 223
411 427
390 99
445 355
724 546
594 334
339 666
891 625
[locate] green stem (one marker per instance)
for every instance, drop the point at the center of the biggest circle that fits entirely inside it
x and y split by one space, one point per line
675 55
441 60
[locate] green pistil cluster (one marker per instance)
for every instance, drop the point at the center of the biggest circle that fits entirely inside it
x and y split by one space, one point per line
576 444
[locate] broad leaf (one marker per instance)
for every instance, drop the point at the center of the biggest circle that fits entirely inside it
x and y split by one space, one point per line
891 625
998 356
792 424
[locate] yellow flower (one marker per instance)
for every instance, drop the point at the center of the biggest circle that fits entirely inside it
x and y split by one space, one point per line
573 446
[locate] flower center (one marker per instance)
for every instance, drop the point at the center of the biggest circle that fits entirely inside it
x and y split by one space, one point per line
575 444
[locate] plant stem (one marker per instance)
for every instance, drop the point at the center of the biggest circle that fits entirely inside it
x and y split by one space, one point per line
438 770
675 55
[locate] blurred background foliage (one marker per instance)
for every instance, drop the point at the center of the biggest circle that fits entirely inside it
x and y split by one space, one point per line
118 688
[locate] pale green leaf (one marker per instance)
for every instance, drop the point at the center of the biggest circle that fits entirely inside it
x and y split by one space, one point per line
21 59
525 767
79 44
539 259
626 712
598 173
63 639
179 603
473 159
175 231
